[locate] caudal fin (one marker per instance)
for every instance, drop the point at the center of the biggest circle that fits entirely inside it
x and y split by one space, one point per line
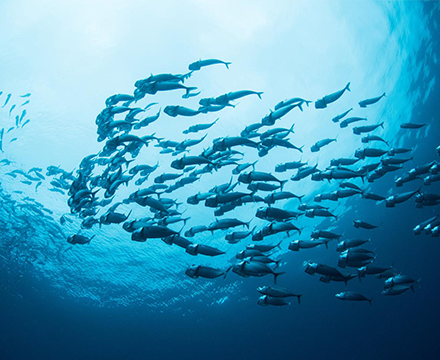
275 276
348 87
278 245
226 272
291 128
299 298
188 89
260 93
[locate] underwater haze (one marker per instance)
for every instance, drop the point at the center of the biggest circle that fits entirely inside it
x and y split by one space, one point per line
219 179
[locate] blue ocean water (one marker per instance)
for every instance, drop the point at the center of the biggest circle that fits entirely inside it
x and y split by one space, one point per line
115 298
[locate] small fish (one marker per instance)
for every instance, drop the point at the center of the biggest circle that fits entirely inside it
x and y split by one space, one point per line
197 65
322 103
79 239
319 144
366 102
12 108
25 95
363 225
411 126
350 120
339 117
352 296
7 100
357 130
25 103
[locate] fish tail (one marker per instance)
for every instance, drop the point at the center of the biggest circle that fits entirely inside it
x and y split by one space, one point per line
308 102
381 125
291 128
278 245
260 93
227 64
370 300
187 75
384 95
253 164
299 298
300 149
300 107
282 184
188 89
348 87
227 270
275 276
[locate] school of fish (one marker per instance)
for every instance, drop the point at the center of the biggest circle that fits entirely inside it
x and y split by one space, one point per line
92 188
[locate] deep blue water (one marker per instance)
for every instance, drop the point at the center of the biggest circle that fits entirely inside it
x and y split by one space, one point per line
117 299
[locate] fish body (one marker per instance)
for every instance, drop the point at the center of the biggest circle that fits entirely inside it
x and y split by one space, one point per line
195 249
275 214
411 126
370 138
352 296
7 100
304 172
199 127
206 272
369 152
293 101
350 243
366 102
341 116
357 130
359 224
296 245
231 96
79 239
197 65
273 116
323 102
348 121
274 301
319 144
175 110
